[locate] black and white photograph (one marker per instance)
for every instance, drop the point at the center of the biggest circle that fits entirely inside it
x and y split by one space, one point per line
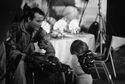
62 42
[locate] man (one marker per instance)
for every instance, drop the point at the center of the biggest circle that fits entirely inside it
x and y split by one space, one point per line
22 36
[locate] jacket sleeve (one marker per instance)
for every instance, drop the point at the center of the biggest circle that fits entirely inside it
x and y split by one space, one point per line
12 50
44 43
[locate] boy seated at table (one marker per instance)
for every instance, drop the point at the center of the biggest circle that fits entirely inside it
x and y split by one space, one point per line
78 49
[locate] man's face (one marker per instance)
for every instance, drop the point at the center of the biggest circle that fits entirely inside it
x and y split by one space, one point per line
37 20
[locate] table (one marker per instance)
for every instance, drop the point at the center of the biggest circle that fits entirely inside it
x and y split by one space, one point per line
62 46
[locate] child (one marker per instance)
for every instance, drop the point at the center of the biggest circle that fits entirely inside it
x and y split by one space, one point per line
79 48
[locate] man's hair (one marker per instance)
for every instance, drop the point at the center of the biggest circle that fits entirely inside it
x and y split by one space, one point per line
30 12
76 44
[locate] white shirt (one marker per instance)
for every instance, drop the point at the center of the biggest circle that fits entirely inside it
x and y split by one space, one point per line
46 26
60 25
74 26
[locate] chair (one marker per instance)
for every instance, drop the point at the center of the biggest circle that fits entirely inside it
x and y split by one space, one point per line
104 57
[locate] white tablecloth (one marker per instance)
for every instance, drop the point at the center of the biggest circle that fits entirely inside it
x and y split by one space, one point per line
62 46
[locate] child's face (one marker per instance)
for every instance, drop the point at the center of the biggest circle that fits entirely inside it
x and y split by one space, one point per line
82 50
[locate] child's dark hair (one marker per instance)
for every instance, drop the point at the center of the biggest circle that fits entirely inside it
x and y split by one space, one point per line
76 44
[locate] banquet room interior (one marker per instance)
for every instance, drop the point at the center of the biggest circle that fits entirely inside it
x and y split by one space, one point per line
93 20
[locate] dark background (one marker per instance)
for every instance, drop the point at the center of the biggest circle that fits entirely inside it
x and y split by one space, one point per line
8 10
115 17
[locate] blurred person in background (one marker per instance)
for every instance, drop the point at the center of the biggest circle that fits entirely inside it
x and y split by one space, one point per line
62 9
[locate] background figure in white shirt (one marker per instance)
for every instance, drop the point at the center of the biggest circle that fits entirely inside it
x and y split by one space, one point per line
74 27
78 47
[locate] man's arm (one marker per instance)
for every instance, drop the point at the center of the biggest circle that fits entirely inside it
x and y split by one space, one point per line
11 43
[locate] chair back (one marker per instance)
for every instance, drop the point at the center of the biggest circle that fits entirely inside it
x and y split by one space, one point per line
107 47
